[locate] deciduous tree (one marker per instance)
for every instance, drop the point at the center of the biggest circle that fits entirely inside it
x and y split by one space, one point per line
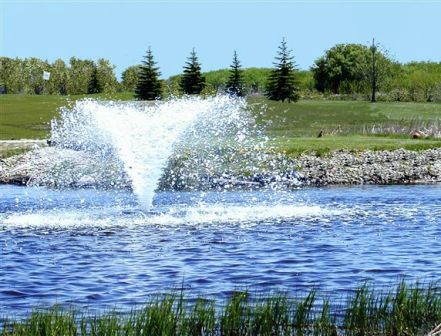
379 70
342 69
106 78
352 68
80 74
57 83
130 77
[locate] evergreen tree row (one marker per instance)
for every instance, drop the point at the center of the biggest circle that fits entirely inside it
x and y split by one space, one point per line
282 82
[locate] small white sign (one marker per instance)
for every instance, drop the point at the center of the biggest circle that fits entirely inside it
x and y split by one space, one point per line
46 75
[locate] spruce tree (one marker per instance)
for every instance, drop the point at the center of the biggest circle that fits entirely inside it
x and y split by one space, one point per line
192 81
148 86
282 82
235 84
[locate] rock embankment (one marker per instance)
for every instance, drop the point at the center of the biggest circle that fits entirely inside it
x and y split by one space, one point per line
370 167
62 168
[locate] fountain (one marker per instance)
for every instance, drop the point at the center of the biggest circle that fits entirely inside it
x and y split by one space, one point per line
141 138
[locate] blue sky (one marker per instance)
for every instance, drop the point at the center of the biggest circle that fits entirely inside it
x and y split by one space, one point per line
122 30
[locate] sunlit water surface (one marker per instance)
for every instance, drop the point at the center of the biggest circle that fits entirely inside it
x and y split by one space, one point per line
98 249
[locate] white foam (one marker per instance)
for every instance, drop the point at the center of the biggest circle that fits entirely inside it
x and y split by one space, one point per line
205 214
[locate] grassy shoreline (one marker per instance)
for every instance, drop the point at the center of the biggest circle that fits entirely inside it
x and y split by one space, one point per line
293 127
408 309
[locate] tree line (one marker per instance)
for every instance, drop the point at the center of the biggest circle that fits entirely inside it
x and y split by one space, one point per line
79 76
345 71
351 69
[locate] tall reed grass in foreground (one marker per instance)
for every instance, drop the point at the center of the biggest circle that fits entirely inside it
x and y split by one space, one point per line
409 309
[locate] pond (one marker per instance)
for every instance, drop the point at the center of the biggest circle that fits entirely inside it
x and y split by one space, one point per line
98 249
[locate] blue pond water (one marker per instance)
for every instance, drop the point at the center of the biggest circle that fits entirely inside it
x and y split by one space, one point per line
98 249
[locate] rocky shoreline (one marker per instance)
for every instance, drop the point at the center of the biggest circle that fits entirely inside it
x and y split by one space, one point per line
371 167
66 168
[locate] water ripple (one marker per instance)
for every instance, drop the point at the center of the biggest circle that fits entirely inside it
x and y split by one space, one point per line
110 255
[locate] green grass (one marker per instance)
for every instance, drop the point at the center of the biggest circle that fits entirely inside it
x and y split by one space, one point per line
29 116
309 117
409 309
293 127
297 145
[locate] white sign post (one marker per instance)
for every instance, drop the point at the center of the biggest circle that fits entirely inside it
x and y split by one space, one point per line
46 75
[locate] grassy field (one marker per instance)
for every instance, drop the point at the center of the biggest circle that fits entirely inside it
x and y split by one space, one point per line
28 117
406 310
308 117
353 125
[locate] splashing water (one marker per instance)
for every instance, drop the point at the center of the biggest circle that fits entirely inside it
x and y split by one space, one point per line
140 138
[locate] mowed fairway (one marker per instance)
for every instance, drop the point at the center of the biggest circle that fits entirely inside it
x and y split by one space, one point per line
292 127
29 116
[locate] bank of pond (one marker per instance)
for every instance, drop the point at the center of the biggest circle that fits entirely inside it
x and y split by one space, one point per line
407 309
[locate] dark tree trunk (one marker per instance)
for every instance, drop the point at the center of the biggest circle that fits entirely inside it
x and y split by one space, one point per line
374 72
